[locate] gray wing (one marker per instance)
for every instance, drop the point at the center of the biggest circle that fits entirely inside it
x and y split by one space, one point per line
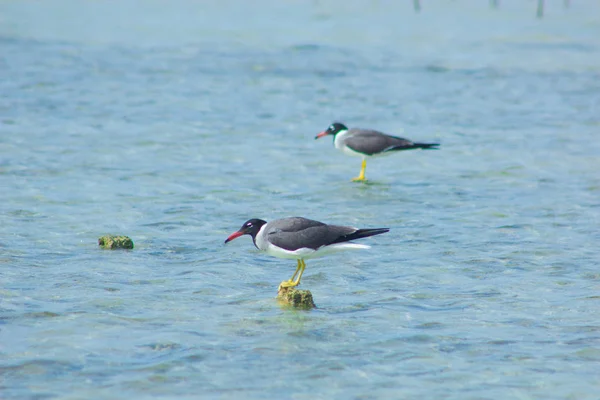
297 232
369 142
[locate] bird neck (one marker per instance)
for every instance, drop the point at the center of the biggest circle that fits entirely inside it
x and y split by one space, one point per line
338 139
258 238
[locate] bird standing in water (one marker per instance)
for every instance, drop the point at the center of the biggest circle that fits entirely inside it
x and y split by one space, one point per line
301 238
368 143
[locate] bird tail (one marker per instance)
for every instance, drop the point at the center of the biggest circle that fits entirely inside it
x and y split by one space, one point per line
432 146
361 233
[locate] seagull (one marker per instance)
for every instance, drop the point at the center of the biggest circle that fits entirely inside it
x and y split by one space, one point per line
368 143
301 238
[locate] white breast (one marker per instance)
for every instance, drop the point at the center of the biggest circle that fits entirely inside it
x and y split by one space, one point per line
339 143
260 241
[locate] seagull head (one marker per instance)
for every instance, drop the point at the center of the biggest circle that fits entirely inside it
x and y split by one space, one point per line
250 227
333 129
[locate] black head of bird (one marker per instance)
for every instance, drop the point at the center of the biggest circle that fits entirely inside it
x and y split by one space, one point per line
250 227
333 129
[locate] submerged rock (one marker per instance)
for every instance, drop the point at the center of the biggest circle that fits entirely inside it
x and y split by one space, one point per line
115 242
301 299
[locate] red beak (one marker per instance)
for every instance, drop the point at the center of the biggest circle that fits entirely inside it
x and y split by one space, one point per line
320 135
234 235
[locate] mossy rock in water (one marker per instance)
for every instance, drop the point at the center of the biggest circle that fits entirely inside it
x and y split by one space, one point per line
296 298
115 242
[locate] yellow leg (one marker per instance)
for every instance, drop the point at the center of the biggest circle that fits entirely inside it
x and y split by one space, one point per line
300 274
296 273
361 176
299 271
290 282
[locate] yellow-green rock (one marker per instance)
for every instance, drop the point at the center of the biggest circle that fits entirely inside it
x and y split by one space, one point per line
115 242
301 299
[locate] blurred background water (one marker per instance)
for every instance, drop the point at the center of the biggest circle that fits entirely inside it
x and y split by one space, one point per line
174 122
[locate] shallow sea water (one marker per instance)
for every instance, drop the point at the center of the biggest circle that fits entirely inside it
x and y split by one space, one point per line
175 122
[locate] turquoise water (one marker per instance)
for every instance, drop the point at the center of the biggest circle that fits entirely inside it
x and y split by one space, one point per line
175 122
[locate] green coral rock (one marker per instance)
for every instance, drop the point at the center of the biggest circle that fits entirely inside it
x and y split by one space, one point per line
115 242
296 298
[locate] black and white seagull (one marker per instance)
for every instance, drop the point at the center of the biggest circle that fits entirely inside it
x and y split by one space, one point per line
368 143
300 238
